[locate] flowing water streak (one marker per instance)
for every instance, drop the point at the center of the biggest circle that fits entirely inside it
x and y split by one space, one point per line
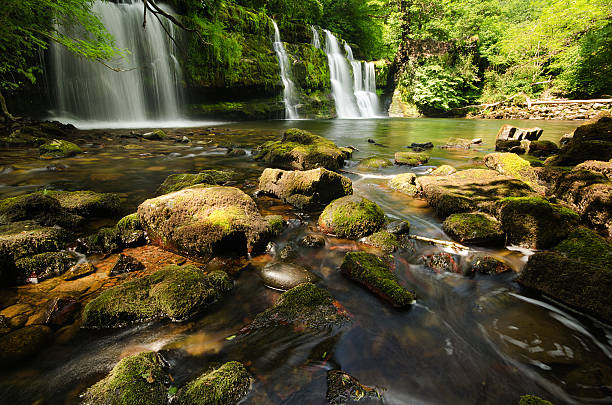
149 89
289 90
364 85
316 41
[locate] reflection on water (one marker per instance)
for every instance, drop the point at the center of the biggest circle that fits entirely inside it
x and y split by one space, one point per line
467 340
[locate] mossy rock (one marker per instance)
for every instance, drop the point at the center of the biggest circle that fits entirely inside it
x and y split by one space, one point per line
542 148
129 231
374 163
201 222
37 207
352 217
86 203
411 158
175 292
176 182
136 380
305 305
441 262
533 400
405 183
486 264
504 145
457 143
106 240
443 170
343 388
57 149
587 246
597 166
225 385
276 224
79 270
22 137
301 150
308 190
535 223
374 274
475 228
383 240
510 164
44 265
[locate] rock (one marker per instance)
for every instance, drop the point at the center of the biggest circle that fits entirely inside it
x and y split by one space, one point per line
236 152
486 264
176 182
276 224
201 222
126 264
508 132
535 223
425 145
398 227
288 252
36 207
177 293
469 190
596 166
308 190
79 270
370 140
476 141
543 148
374 163
383 240
411 158
475 228
138 379
61 311
304 306
313 240
533 400
57 149
441 262
44 265
301 150
23 343
507 145
343 388
348 152
457 143
443 170
129 231
374 274
225 385
106 240
512 165
404 183
86 203
352 217
285 276
590 141
156 135
518 150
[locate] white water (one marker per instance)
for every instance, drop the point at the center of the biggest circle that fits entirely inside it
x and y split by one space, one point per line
353 82
150 89
316 41
290 97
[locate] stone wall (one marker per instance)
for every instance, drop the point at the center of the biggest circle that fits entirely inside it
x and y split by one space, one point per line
543 111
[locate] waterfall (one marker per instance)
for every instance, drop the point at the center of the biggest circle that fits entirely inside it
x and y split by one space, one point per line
316 41
149 88
289 90
353 84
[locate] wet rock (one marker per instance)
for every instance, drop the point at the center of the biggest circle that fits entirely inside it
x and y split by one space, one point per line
507 145
476 141
405 183
106 240
533 400
374 163
517 150
443 170
475 228
23 343
285 276
44 265
398 227
156 135
138 379
201 222
236 152
348 152
175 292
457 143
510 164
543 148
508 132
288 252
374 274
61 311
411 158
301 150
176 182
343 388
441 262
86 203
352 217
130 232
425 145
78 271
313 240
225 385
383 240
370 140
304 306
57 149
486 264
126 264
36 207
276 224
308 190
535 223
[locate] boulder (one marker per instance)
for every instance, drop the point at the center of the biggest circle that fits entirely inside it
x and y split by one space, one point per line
156 135
225 385
535 223
374 163
597 166
301 150
486 264
343 388
443 170
374 274
106 240
23 343
352 217
284 276
86 203
137 379
542 148
79 270
457 143
476 228
398 227
176 182
57 149
129 231
411 158
200 222
508 145
508 132
441 262
510 164
383 240
308 190
36 207
404 183
177 293
44 265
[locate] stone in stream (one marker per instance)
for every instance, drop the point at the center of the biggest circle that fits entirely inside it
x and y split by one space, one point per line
383 240
130 232
225 385
106 240
79 270
313 240
176 182
457 143
57 149
343 388
404 183
411 158
533 400
475 228
308 190
137 379
443 170
125 264
486 264
236 152
284 276
352 217
86 203
425 145
44 265
37 207
542 148
374 163
156 135
374 274
301 150
510 133
510 164
23 343
441 262
398 227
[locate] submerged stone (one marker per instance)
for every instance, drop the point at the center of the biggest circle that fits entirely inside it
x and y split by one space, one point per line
343 388
411 158
176 182
441 262
352 217
533 400
23 343
313 240
374 163
57 149
457 143
225 385
486 264
285 276
405 183
475 228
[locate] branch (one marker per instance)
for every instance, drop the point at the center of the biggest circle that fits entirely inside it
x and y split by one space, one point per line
155 9
454 245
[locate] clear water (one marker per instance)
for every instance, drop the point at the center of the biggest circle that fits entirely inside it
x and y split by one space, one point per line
477 340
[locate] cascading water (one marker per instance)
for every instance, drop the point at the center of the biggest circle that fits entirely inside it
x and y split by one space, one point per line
149 88
289 91
354 85
316 41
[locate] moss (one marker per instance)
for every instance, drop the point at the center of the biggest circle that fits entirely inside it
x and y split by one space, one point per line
251 109
510 164
373 273
533 400
37 207
352 217
44 265
383 240
343 388
106 240
225 385
23 343
587 246
590 141
375 163
276 224
405 183
486 264
57 149
177 182
135 380
443 170
156 135
86 203
411 158
475 228
129 231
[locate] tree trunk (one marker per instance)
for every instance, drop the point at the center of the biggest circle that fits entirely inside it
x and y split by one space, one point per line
6 115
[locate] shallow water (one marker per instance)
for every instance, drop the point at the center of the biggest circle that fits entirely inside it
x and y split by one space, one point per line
479 340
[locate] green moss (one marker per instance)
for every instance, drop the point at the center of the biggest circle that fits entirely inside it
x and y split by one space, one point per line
225 385
177 182
86 203
375 163
58 149
443 170
252 109
533 400
372 272
276 224
411 158
135 380
477 228
44 265
383 240
37 207
130 231
405 183
352 217
106 240
510 164
587 246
